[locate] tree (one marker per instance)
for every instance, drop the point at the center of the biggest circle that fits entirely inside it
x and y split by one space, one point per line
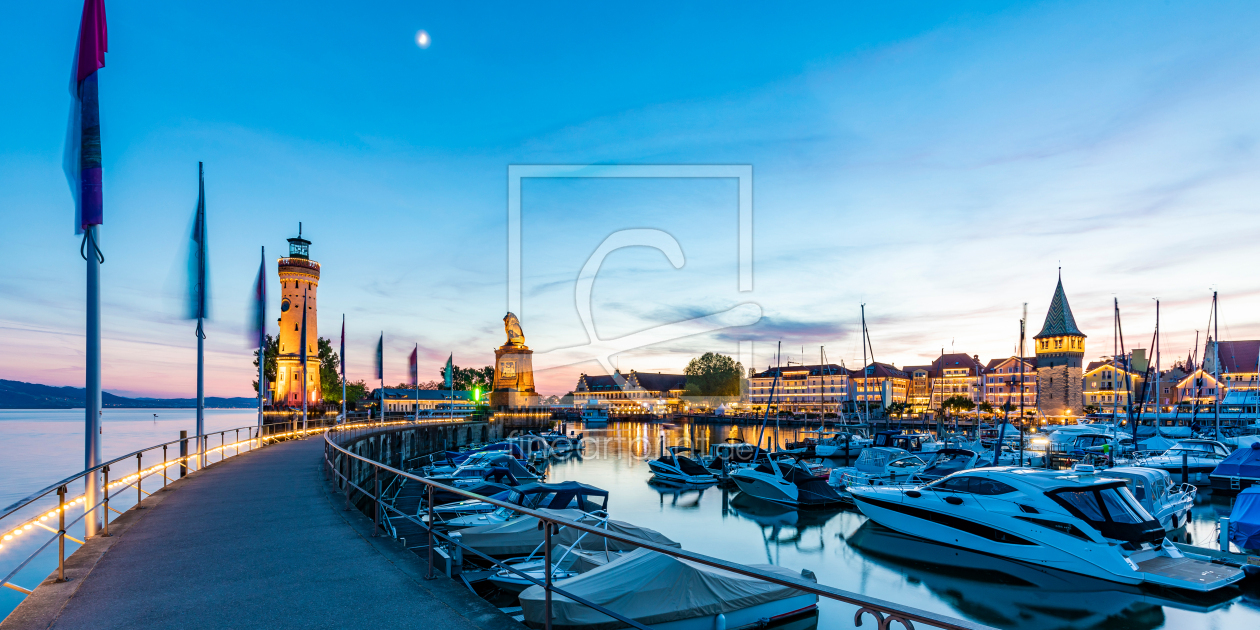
986 407
356 391
958 403
329 371
465 379
272 346
714 375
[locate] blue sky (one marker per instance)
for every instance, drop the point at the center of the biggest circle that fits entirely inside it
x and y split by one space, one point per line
937 161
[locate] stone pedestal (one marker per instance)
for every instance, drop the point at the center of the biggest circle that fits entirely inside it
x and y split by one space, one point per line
513 377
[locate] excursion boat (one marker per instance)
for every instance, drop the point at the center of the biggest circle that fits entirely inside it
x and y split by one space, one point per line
1075 521
594 414
667 593
1201 457
1169 502
1239 471
673 466
566 495
785 481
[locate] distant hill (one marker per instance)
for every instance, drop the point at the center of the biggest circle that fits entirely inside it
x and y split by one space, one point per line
19 395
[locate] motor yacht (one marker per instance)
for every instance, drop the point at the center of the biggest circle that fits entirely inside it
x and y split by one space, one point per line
1169 502
839 444
1075 521
566 495
674 466
1201 458
913 441
492 466
785 481
877 465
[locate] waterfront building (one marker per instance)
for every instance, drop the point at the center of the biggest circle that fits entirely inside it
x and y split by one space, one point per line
1002 383
1240 363
956 374
880 384
405 401
635 393
299 283
1108 386
919 396
803 388
1197 388
1060 350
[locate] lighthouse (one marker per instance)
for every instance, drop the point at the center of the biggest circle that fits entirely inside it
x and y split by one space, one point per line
299 285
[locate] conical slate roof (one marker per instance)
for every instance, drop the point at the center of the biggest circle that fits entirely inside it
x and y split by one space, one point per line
1059 320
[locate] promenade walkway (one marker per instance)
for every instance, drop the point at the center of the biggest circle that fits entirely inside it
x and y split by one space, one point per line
258 541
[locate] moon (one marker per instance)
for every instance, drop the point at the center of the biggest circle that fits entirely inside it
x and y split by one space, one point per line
422 38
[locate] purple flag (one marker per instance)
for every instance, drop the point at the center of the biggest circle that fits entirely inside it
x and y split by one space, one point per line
83 138
413 367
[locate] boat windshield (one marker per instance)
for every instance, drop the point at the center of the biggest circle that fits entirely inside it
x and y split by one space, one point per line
1193 448
947 463
1112 510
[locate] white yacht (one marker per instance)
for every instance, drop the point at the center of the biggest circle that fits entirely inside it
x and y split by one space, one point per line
1075 521
833 444
785 481
878 465
1169 502
1201 457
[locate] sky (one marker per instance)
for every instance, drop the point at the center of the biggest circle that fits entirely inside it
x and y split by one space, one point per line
936 162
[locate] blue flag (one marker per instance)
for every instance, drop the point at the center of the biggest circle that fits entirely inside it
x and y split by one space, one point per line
258 307
380 357
448 373
198 266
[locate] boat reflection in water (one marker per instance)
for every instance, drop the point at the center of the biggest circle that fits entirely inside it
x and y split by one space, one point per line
1011 594
782 524
684 496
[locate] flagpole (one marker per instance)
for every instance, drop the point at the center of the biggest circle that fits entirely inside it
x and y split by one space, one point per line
201 312
262 339
305 358
415 380
92 428
343 367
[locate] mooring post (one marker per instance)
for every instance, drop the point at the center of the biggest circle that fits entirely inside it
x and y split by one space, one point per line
1185 467
183 454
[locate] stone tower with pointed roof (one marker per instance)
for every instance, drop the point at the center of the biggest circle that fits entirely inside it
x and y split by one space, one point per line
1060 352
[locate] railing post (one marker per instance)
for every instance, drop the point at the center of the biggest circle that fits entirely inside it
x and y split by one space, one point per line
163 465
237 444
429 529
547 574
105 489
61 534
183 454
376 478
139 481
222 445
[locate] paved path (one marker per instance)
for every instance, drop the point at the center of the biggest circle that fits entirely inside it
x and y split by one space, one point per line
258 541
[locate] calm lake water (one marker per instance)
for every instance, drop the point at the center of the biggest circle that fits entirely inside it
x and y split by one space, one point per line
848 552
41 447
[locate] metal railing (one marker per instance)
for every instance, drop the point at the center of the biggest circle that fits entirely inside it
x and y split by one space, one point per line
187 460
884 612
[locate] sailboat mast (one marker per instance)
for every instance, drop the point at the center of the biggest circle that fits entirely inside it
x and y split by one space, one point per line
866 389
1023 327
1216 365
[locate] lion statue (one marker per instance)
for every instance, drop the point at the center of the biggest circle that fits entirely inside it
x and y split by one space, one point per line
515 337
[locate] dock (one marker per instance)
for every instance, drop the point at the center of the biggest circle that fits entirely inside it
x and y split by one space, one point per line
257 541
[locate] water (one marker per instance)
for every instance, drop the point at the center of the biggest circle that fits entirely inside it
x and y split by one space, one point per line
848 552
40 447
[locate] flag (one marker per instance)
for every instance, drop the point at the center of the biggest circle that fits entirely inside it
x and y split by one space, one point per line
412 367
258 307
343 346
380 357
198 266
449 371
303 356
82 161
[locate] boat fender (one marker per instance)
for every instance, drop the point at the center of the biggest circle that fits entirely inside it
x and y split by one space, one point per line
719 622
953 500
913 494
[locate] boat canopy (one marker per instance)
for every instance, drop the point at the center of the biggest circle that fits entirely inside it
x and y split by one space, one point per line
1244 520
514 537
1243 462
875 459
1148 485
653 588
1156 443
567 536
559 496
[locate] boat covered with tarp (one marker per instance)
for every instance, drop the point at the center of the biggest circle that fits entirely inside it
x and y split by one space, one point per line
522 535
1239 471
1244 520
669 593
